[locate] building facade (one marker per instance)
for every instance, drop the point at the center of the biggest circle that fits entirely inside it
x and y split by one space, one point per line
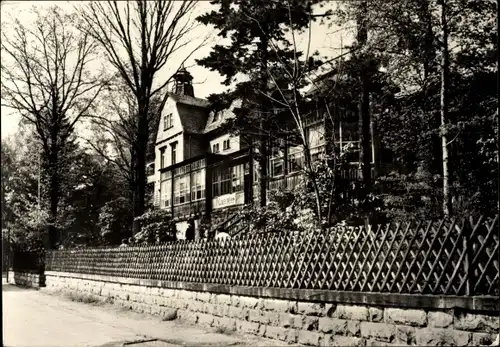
202 172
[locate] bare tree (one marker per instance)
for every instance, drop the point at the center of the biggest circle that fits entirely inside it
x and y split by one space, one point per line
47 78
139 38
114 130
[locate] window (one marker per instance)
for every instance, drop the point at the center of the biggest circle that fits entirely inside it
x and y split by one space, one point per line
216 116
295 162
276 163
198 185
227 180
226 144
166 193
215 148
174 152
276 167
316 136
168 122
181 190
238 174
163 157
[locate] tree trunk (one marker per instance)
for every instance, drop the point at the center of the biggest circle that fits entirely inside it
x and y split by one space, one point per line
447 196
364 105
139 192
263 109
54 194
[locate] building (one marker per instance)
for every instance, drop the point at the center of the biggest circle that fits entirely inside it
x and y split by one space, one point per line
203 172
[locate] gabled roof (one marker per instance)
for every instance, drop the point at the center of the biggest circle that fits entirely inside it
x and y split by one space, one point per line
193 118
224 115
193 112
190 100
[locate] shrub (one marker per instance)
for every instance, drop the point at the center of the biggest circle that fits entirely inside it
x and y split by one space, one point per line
157 227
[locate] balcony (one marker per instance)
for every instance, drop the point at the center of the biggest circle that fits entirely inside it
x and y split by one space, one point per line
286 183
351 173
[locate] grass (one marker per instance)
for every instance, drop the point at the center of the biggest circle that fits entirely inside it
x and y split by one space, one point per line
224 330
88 299
169 316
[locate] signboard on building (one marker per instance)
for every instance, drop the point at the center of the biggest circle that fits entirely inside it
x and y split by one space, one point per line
228 200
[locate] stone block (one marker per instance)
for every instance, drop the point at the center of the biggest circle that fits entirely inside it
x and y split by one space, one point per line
186 295
226 323
257 316
310 323
288 320
441 337
162 301
276 333
167 292
379 331
202 296
235 300
247 327
275 305
292 336
376 314
405 334
477 322
326 340
205 319
310 309
346 341
438 319
376 343
310 338
332 325
272 318
196 306
220 310
249 302
351 312
353 327
482 339
262 330
409 317
235 312
223 299
148 299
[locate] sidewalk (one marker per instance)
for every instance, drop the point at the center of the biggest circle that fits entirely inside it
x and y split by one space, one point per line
34 318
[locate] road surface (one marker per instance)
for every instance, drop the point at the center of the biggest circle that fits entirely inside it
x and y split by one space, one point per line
33 318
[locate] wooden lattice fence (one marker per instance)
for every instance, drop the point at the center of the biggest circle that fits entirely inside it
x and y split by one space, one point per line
442 258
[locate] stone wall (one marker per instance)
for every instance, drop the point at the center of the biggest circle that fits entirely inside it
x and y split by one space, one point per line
27 279
296 321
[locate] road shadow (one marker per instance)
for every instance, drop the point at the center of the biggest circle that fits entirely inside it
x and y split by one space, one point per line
10 287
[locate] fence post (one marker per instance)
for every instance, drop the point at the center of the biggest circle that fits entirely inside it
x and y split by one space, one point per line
467 258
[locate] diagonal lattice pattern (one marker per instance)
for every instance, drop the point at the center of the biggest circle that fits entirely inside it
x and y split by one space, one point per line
448 257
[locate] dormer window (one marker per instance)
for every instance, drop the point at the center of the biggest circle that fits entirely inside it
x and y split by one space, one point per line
216 116
215 148
226 145
168 122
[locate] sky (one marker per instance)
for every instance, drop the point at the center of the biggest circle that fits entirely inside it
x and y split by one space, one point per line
326 40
